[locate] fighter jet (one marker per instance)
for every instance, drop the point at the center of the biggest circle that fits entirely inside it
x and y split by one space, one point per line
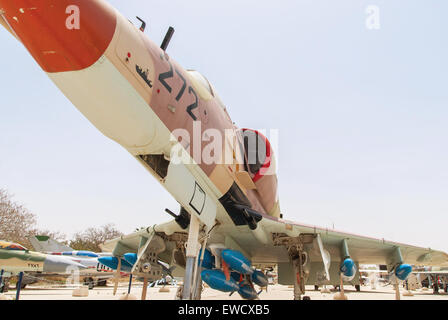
15 259
95 272
47 245
172 121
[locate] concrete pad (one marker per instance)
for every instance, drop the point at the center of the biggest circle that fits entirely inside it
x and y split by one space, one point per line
339 296
408 293
276 292
81 292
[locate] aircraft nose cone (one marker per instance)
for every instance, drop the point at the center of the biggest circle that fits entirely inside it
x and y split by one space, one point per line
59 264
62 35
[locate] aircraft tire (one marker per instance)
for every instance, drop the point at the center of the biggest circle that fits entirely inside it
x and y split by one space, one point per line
90 282
102 283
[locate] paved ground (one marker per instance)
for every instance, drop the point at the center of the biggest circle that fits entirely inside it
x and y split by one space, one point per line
277 292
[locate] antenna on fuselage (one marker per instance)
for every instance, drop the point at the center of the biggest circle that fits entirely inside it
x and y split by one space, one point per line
167 39
143 27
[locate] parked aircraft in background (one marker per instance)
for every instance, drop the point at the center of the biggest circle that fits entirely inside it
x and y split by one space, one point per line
430 277
96 263
230 217
95 272
15 259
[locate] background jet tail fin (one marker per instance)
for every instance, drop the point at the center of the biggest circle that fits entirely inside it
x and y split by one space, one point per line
46 244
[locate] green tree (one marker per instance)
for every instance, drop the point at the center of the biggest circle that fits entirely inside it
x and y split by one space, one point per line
17 224
92 238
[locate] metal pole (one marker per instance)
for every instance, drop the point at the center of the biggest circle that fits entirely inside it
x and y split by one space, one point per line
1 281
342 285
145 288
19 285
397 289
198 280
117 276
192 251
130 284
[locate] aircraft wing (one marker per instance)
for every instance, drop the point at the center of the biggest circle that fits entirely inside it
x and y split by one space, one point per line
131 240
268 245
364 250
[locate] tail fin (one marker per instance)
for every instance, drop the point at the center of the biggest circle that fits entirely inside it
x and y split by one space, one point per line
46 244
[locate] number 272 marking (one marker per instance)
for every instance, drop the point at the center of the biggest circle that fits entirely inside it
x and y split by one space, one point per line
170 74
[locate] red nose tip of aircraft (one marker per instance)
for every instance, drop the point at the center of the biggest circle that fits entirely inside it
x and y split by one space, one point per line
62 35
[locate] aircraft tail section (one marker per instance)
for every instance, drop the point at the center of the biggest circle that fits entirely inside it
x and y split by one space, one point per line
46 244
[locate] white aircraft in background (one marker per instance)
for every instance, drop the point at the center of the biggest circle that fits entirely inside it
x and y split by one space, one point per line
435 276
96 263
95 273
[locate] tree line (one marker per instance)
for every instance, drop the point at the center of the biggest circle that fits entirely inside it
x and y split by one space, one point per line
17 224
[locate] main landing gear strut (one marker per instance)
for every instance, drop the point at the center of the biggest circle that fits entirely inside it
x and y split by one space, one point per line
192 253
297 257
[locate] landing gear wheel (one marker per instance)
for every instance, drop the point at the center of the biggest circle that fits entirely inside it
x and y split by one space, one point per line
90 282
436 289
306 298
5 287
102 283
358 287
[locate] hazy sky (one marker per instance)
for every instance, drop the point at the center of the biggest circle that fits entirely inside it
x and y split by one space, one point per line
362 116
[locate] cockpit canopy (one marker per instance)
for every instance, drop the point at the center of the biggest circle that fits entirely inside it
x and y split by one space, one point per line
204 83
201 80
